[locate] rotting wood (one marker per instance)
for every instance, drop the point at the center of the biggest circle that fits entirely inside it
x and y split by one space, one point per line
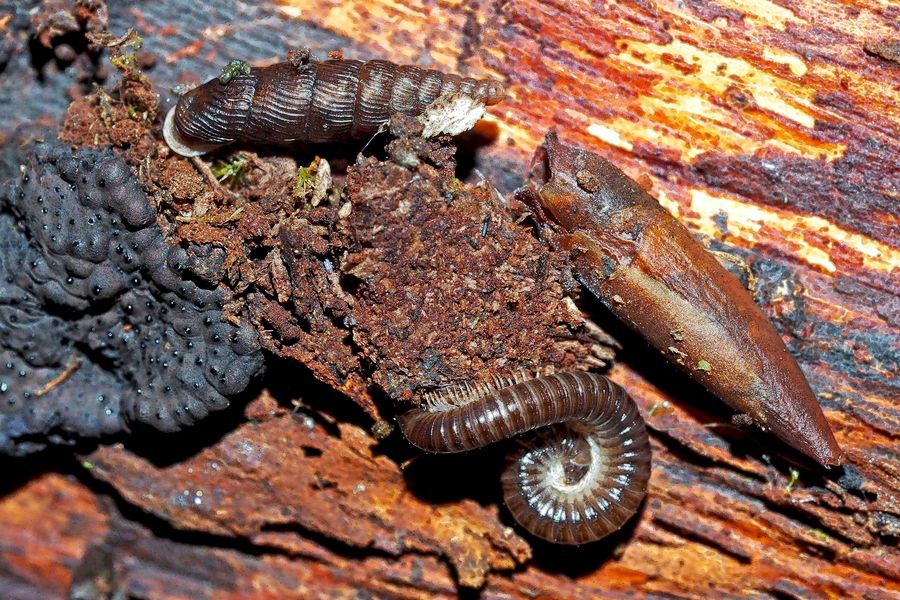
771 131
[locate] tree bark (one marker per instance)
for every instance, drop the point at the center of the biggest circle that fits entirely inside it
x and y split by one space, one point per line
769 128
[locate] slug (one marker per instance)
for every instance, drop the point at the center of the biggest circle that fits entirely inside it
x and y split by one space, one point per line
648 270
304 100
574 482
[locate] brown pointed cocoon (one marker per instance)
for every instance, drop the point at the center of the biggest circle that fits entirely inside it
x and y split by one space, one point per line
651 273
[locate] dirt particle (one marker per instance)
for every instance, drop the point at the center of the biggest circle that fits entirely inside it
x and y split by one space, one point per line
382 429
587 181
884 49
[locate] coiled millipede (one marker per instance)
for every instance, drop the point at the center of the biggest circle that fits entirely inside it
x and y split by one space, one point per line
575 481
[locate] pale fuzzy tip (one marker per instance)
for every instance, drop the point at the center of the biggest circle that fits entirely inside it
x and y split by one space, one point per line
451 114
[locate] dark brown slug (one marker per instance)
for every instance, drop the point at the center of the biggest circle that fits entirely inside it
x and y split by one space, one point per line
650 272
305 100
573 482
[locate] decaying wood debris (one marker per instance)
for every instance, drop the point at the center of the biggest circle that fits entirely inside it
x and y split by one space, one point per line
770 129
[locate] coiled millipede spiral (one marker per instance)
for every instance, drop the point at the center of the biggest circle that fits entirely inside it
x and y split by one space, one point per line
578 478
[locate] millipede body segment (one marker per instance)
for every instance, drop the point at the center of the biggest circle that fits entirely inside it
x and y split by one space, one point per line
582 473
304 100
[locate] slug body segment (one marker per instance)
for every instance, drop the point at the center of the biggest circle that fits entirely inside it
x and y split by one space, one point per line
651 273
575 481
310 101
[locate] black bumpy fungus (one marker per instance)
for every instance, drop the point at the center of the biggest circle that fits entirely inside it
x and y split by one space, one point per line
102 322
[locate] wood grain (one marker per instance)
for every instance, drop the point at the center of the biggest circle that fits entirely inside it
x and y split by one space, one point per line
770 128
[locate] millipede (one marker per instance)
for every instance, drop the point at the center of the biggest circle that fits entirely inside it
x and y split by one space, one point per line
305 101
578 477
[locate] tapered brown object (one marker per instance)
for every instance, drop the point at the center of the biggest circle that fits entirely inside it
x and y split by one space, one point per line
648 270
305 100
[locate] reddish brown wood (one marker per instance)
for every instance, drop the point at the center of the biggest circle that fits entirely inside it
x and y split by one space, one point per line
769 128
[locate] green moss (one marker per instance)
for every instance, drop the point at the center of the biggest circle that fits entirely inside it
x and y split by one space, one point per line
232 70
230 172
304 183
795 476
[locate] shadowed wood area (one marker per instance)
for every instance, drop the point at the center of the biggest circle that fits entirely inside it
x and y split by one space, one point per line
770 128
